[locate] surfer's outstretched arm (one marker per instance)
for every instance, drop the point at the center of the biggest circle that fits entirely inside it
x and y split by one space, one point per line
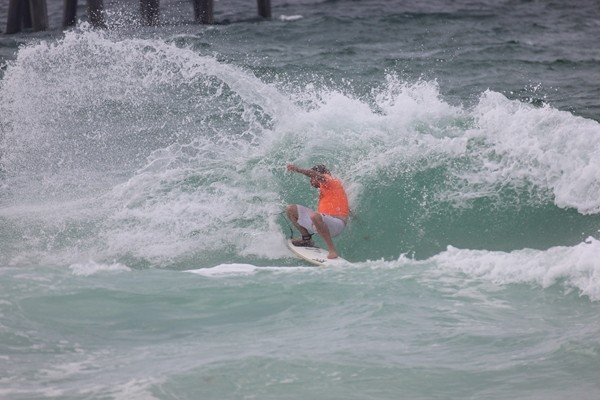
311 173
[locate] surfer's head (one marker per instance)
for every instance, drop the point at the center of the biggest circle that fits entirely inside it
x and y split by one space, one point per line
316 181
322 169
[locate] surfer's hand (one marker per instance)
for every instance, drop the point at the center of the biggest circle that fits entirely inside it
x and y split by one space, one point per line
292 167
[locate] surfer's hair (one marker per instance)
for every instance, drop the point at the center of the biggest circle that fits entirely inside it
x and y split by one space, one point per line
322 169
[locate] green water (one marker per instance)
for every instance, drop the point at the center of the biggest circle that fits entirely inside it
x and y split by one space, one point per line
142 184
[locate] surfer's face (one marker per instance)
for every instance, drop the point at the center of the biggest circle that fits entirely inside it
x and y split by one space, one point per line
314 182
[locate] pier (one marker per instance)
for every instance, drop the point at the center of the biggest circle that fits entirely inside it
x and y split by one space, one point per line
33 14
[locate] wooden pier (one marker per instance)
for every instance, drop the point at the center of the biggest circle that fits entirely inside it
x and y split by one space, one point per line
33 14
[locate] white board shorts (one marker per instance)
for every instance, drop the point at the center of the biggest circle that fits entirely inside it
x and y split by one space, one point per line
335 225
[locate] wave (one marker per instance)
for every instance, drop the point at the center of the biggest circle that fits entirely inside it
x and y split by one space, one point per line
91 268
576 267
151 153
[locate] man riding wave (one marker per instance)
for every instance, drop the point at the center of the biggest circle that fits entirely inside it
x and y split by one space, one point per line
331 216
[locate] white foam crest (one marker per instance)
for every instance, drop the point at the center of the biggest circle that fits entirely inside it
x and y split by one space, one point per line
407 127
402 127
227 270
500 143
419 106
546 147
198 185
577 266
189 185
196 198
134 389
92 267
290 18
81 101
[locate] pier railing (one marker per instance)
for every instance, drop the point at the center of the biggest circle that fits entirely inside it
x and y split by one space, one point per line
33 14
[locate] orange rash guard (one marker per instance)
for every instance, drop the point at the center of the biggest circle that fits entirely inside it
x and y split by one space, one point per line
332 197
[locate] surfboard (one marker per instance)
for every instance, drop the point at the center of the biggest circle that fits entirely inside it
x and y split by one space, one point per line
315 255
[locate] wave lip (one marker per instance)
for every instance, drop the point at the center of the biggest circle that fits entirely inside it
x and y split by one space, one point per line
542 146
576 267
181 155
92 268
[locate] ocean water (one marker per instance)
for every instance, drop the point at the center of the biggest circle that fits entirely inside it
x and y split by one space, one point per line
143 180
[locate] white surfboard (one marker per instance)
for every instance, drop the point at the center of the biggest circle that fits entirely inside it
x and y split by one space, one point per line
315 255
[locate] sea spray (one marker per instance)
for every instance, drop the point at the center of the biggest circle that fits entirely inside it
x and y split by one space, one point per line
142 251
164 155
572 267
539 146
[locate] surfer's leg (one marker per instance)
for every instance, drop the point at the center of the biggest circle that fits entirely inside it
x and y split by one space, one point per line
294 216
323 230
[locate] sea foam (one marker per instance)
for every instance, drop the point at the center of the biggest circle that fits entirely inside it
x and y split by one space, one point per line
576 267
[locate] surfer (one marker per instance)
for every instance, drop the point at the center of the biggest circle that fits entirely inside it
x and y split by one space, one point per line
331 216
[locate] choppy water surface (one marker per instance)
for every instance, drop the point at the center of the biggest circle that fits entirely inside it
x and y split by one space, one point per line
142 177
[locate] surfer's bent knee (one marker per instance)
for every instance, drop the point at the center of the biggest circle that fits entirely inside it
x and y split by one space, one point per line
292 209
316 217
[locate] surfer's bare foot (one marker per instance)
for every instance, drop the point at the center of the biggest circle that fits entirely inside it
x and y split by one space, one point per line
332 255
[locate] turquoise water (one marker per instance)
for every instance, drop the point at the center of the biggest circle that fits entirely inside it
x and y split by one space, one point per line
143 180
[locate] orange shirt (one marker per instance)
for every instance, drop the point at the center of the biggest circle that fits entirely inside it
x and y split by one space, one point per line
332 197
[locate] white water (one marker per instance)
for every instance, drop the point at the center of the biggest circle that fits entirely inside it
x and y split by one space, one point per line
138 149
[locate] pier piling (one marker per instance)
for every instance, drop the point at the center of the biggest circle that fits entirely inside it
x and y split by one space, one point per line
95 9
264 8
70 13
96 13
150 11
33 14
25 15
203 11
39 15
15 16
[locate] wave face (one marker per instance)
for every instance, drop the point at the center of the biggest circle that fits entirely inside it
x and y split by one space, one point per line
143 182
146 152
